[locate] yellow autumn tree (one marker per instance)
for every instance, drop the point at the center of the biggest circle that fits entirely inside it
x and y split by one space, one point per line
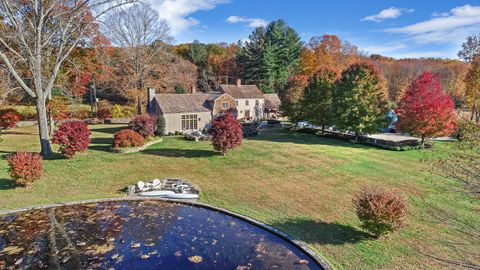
472 89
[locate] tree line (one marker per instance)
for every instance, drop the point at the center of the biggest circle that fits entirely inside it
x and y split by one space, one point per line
121 47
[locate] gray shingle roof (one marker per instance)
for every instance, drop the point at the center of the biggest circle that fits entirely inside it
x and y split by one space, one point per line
184 103
272 102
242 91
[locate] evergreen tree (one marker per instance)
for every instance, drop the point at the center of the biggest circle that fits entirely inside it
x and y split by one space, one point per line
317 98
161 125
359 100
271 56
197 54
251 57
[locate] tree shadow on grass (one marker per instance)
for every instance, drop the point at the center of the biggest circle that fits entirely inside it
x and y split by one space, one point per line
110 130
177 153
54 156
100 144
285 136
7 184
17 133
322 233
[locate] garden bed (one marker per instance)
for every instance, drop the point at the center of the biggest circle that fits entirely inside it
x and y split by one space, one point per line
139 148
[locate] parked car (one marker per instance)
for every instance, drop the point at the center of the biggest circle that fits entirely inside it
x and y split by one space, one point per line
249 129
306 124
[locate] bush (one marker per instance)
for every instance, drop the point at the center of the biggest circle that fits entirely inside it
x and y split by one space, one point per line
9 118
226 133
128 111
72 136
380 211
127 138
144 124
25 167
161 126
104 114
104 104
81 114
117 111
179 89
469 133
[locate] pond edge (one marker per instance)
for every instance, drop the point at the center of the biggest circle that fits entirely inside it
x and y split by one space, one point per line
290 239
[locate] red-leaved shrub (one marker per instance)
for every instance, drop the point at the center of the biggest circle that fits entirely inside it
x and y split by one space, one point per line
127 138
104 114
72 136
144 124
380 211
226 133
25 167
9 118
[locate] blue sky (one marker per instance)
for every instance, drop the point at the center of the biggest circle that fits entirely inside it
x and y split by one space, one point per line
393 28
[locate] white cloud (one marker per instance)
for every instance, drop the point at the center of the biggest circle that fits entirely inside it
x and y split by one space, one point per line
384 48
452 28
178 12
389 13
440 14
251 22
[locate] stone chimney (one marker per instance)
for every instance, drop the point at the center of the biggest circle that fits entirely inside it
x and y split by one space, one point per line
239 82
150 96
194 89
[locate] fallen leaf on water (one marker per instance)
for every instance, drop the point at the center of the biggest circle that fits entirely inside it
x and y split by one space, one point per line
145 256
19 261
136 245
195 259
11 250
178 253
303 262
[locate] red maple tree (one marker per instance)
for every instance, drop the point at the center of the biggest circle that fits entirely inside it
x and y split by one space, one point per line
226 132
426 110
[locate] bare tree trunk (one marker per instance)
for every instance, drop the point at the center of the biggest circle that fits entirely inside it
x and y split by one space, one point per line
46 149
139 105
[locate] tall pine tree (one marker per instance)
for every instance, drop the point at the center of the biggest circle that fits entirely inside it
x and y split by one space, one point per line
271 56
359 100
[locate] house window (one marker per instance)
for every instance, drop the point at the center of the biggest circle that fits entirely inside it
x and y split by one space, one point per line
246 102
189 122
225 105
236 102
257 102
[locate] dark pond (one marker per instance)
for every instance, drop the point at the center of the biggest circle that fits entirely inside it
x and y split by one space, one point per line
140 235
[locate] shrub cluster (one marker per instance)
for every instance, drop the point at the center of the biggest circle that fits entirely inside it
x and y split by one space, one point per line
9 118
127 138
72 136
380 211
116 111
25 167
144 124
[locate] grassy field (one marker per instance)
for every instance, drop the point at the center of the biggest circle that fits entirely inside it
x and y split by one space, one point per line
300 183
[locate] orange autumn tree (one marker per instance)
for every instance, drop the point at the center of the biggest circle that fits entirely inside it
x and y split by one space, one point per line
327 53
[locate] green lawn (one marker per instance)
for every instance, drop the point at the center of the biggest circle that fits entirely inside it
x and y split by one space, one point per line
300 183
